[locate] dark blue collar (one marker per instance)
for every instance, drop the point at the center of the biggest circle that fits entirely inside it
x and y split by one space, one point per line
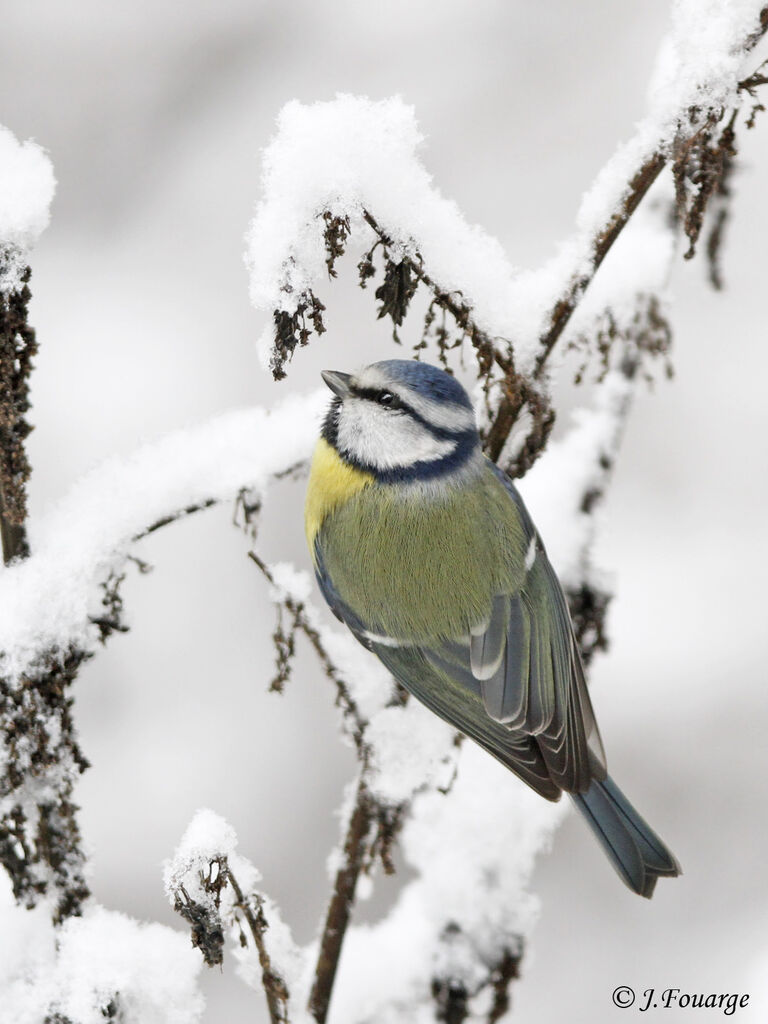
467 445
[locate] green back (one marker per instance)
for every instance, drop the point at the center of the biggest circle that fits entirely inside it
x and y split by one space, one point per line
423 563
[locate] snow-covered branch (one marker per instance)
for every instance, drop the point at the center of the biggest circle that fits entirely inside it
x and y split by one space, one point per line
329 172
26 189
57 605
49 599
216 891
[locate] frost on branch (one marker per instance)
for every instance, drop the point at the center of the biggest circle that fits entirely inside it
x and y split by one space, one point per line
215 890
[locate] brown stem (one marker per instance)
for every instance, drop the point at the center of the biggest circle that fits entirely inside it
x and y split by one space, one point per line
340 907
17 348
518 393
344 698
274 985
460 311
13 535
505 972
601 246
172 517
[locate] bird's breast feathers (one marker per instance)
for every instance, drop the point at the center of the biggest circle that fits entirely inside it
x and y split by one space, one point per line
411 566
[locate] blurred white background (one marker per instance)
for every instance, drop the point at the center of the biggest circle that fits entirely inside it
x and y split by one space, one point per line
154 115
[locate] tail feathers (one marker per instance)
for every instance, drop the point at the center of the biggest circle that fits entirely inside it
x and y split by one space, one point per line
634 849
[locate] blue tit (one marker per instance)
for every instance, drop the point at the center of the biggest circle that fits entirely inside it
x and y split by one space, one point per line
424 548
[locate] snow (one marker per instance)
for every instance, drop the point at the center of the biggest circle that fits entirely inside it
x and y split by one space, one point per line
27 185
78 969
699 64
411 749
290 583
151 968
46 600
207 837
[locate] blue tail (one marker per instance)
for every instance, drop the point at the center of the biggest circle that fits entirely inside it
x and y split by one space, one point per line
634 849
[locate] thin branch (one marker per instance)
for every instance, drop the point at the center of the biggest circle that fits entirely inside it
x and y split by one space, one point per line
273 983
601 246
340 906
504 973
518 393
343 696
173 517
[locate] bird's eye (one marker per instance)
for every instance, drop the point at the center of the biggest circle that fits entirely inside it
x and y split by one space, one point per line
387 398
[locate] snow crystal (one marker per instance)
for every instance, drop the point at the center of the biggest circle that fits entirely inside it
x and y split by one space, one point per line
27 185
45 601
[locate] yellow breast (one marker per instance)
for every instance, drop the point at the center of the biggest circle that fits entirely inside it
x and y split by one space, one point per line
331 483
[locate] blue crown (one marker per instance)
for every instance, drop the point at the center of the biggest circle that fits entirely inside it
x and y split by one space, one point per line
430 381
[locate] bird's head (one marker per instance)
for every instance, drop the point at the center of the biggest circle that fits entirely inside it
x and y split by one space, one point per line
400 419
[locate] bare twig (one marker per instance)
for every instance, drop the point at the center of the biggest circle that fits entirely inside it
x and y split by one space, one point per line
173 517
342 900
343 697
275 988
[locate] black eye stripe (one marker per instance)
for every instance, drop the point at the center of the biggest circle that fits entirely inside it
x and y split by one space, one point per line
380 396
374 395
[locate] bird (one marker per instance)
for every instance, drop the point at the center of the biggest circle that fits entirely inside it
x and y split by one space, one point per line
423 547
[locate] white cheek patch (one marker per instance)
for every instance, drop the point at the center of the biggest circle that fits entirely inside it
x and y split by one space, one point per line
385 438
